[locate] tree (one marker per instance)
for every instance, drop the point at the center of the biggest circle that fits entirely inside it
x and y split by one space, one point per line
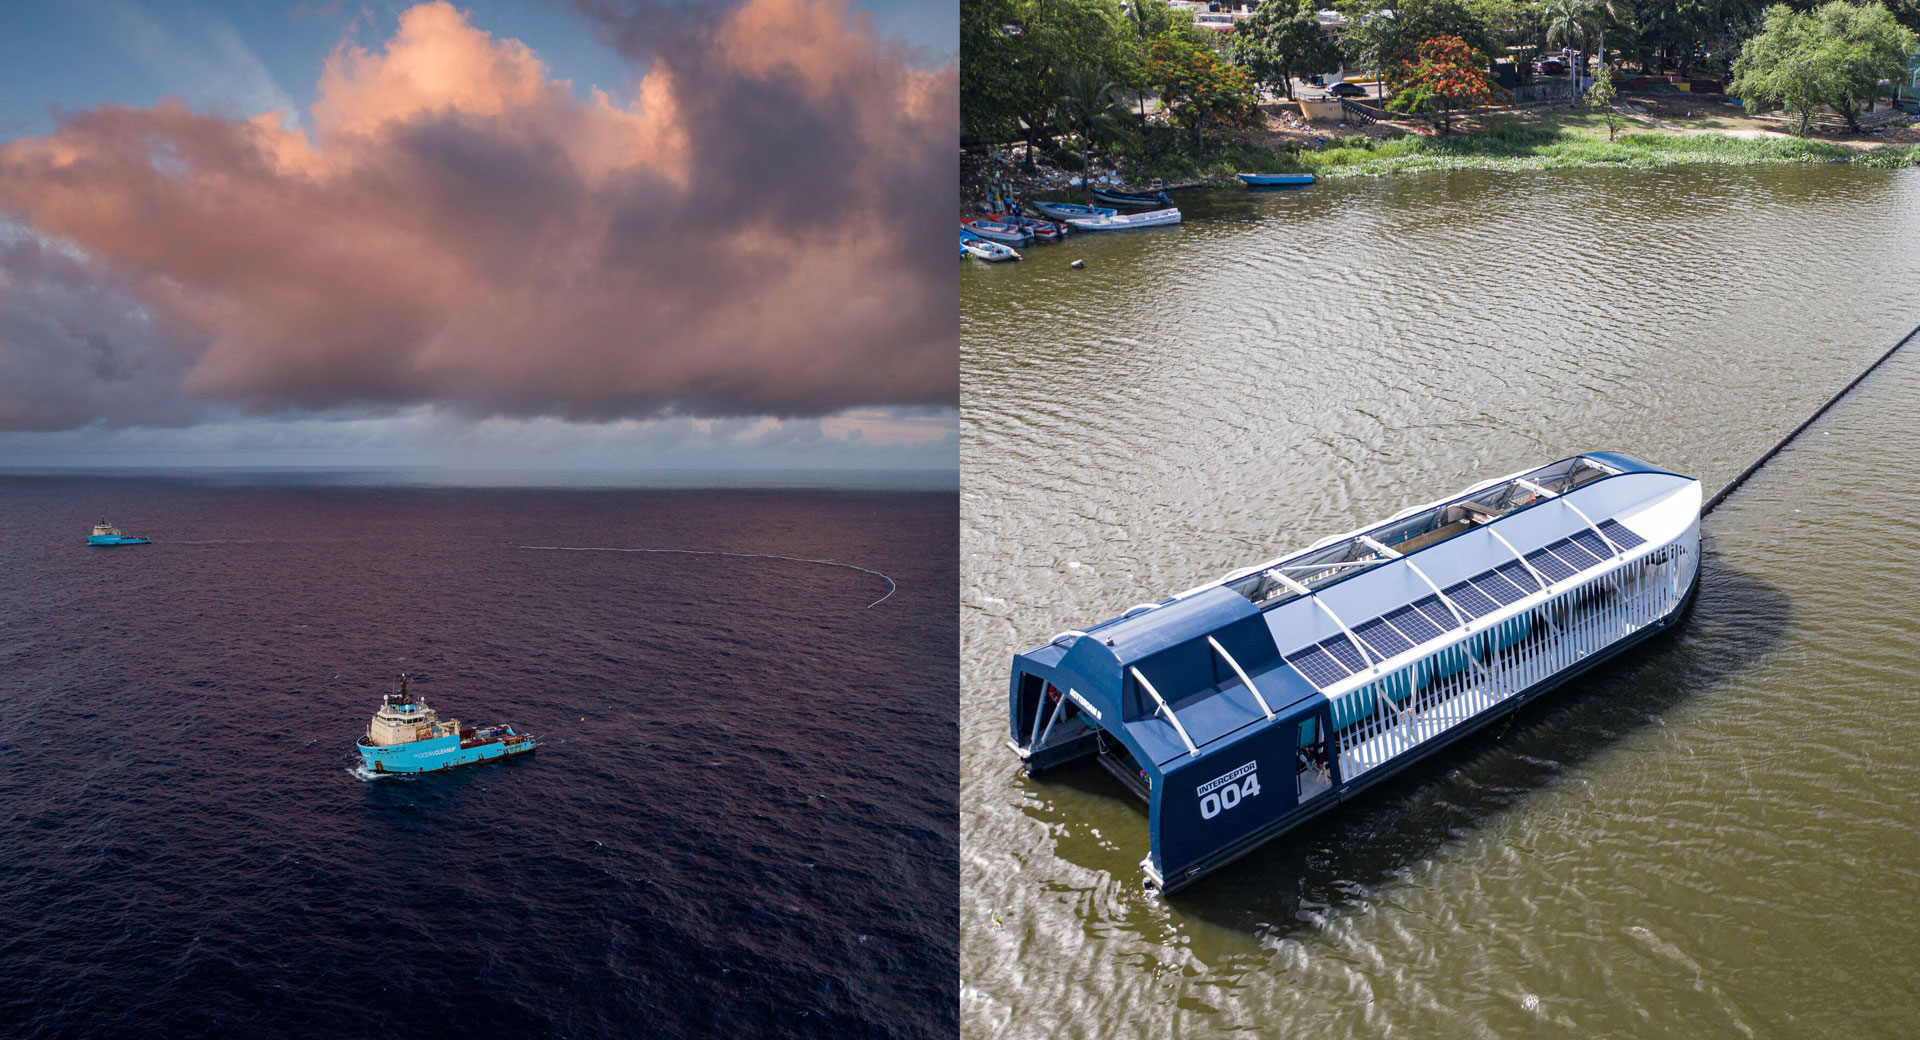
1835 55
987 83
1607 13
1387 34
1015 55
1447 74
1149 19
1570 22
1195 85
1869 45
1787 64
1509 22
1282 39
1090 105
1601 96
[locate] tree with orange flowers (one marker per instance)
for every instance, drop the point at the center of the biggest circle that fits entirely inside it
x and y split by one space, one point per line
1445 75
1195 85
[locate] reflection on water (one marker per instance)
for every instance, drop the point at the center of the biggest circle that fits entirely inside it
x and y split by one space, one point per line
1713 837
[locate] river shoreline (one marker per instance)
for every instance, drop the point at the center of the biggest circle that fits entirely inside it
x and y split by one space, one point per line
1538 148
1557 140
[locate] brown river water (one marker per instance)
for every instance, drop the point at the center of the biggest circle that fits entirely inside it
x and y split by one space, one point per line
1717 835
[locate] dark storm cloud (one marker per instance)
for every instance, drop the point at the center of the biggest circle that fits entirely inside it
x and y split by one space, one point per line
77 343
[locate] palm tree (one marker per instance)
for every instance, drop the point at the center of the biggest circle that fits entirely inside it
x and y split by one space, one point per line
1091 105
1569 22
1136 12
1606 13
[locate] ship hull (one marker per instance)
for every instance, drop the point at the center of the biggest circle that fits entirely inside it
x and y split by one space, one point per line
115 539
1347 792
429 756
1607 557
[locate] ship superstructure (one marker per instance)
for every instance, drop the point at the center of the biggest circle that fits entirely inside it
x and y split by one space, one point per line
1245 706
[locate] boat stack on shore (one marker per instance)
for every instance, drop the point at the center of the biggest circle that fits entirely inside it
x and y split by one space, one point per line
993 235
1003 223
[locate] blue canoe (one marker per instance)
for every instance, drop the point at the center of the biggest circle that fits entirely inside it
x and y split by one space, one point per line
1275 180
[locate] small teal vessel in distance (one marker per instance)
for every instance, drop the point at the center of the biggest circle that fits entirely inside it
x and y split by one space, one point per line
406 736
106 534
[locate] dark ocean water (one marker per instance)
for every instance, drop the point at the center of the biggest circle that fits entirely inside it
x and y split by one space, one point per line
742 822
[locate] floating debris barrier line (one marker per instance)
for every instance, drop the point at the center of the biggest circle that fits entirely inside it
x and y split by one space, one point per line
1734 484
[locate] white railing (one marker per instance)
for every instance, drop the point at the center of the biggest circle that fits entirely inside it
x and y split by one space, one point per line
1566 629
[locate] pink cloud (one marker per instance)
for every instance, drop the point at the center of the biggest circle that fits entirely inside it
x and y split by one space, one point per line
755 231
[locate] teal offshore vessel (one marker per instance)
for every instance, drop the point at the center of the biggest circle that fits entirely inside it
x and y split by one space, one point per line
406 736
106 534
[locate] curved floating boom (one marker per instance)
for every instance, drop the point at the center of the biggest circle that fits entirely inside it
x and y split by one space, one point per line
1245 706
892 587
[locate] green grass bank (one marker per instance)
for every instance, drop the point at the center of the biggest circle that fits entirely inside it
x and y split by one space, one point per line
1512 146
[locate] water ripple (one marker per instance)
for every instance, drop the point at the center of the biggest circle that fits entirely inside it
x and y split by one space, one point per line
1715 838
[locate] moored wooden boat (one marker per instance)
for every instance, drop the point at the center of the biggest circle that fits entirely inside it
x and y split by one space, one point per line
1042 230
991 252
1126 221
1069 210
1131 199
996 231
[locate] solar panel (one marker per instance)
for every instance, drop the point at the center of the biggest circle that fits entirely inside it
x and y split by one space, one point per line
1577 554
1436 612
1622 537
1550 565
1477 604
1591 542
1497 588
1320 670
1517 573
1381 638
1413 624
1343 651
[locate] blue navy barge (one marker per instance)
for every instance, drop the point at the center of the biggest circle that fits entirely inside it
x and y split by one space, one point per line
1241 708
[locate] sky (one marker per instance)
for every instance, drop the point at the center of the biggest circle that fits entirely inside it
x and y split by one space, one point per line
593 235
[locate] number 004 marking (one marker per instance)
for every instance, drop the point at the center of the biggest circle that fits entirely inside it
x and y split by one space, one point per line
1212 803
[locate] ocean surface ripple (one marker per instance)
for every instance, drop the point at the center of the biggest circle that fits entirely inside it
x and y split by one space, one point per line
740 822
